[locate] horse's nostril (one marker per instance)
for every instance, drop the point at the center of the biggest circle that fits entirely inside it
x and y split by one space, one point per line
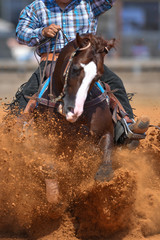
71 109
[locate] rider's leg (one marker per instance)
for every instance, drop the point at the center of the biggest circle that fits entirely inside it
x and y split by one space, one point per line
115 82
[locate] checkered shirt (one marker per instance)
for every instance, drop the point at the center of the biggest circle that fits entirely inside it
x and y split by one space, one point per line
80 16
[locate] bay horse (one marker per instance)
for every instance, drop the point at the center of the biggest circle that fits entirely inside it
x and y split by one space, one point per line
72 88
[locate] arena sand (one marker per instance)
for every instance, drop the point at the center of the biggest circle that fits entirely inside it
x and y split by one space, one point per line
126 208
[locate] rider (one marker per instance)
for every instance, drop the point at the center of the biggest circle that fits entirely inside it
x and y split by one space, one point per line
43 19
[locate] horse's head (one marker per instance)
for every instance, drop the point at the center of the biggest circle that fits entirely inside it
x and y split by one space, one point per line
85 68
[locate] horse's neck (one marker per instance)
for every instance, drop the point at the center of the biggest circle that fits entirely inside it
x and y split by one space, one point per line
58 75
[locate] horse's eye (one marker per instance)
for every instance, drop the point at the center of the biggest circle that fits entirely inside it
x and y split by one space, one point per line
76 67
75 70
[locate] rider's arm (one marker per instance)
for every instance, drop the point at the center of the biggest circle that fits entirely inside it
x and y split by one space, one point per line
101 6
29 28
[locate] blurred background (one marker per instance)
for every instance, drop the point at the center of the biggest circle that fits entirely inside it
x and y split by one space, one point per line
135 23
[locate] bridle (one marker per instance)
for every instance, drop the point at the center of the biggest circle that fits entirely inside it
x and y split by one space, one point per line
53 102
68 66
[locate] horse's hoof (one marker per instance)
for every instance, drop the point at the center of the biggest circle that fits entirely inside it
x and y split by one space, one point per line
52 191
104 173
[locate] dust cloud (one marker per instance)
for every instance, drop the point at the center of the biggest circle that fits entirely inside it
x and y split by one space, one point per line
126 208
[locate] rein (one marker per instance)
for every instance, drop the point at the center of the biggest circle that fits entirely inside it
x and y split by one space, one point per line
51 72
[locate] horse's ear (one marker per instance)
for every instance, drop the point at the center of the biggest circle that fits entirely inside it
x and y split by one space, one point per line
111 44
81 41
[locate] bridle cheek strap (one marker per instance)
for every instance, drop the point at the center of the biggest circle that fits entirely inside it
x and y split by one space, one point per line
66 71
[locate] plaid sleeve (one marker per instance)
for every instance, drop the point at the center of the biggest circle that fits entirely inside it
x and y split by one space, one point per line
101 6
29 31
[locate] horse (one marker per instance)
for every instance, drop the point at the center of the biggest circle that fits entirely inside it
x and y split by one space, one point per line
75 91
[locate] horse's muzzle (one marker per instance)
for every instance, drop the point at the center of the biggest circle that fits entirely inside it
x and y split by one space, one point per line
71 117
72 111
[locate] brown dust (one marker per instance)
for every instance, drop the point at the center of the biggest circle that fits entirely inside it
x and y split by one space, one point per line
126 208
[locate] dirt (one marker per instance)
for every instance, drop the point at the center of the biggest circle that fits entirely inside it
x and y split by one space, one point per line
125 208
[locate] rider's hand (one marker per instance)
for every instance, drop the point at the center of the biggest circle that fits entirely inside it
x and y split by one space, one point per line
51 30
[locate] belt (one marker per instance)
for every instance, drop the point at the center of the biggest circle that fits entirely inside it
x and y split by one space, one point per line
50 56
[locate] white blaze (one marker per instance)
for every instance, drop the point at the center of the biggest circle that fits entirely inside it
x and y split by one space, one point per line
90 71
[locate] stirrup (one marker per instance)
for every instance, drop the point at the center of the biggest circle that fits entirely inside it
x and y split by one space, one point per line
122 130
131 135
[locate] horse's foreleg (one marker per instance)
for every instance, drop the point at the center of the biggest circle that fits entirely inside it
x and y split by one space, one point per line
105 172
102 126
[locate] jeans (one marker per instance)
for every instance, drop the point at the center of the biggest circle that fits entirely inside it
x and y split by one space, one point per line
116 83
